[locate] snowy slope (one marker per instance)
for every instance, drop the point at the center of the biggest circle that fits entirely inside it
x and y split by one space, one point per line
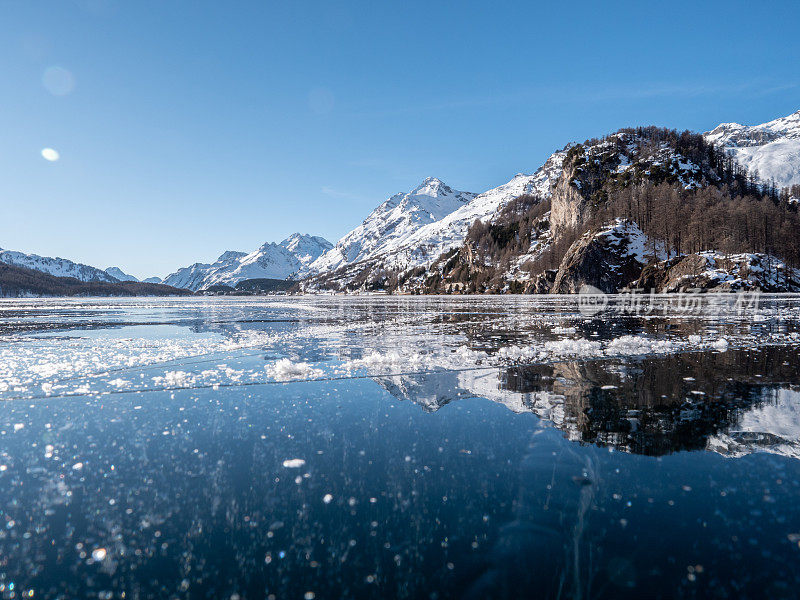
431 241
194 276
306 248
772 150
389 226
121 275
60 267
393 239
273 261
152 280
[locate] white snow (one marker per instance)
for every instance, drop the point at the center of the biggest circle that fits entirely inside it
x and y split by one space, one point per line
749 270
393 223
270 261
59 267
287 370
771 150
627 234
119 274
411 230
431 241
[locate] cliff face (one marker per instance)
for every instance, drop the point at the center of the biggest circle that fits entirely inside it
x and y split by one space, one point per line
586 169
569 204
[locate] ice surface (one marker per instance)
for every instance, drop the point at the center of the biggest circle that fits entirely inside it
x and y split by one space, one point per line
111 347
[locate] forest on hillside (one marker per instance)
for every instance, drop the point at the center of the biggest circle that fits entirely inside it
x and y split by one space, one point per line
21 282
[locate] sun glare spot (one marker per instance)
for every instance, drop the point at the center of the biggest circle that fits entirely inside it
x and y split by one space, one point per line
50 154
58 81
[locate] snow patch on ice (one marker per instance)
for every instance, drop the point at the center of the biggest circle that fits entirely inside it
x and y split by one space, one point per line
288 370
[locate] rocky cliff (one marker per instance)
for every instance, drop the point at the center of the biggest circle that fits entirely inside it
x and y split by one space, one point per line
608 259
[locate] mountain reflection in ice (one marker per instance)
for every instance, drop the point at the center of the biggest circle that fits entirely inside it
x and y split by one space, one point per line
732 403
150 449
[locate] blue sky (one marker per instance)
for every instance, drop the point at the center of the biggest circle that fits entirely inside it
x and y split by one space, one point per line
186 128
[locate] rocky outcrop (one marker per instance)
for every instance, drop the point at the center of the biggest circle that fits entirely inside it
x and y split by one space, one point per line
720 273
542 283
608 259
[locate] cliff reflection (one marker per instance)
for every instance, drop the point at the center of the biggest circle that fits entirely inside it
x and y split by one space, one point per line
733 402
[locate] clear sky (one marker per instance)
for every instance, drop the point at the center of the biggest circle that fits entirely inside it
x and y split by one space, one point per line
185 128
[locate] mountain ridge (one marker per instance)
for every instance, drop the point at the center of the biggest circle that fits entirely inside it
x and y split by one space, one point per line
466 250
392 222
770 150
58 267
271 260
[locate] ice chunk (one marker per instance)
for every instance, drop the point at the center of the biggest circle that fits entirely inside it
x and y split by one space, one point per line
287 370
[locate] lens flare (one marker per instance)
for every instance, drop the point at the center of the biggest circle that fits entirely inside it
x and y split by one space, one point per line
50 154
58 81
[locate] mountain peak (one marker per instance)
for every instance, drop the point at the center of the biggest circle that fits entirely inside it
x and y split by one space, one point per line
305 244
271 260
59 267
118 273
770 149
230 255
431 186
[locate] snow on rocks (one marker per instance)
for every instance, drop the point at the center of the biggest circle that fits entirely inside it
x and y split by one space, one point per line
717 271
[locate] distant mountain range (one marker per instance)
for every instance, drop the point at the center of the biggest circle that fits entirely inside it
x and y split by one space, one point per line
58 267
425 240
284 260
17 281
119 274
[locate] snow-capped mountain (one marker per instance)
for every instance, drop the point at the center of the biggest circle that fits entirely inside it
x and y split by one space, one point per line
405 232
60 267
429 242
772 150
121 275
193 276
272 261
392 223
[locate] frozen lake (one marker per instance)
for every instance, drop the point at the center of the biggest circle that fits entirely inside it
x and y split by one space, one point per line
413 447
